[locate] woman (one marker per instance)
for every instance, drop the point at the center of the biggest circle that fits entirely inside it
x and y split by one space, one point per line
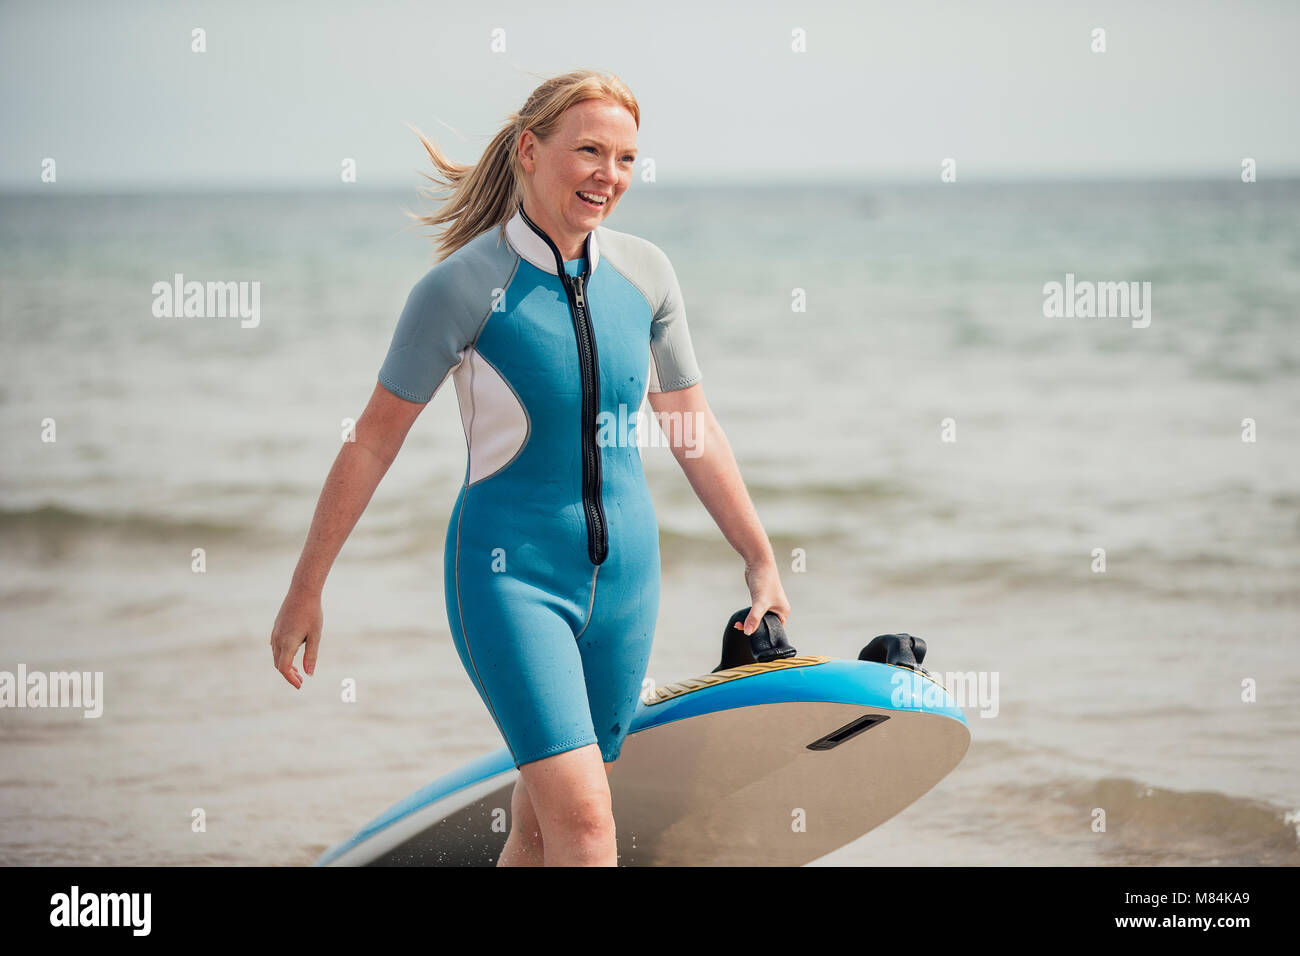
552 551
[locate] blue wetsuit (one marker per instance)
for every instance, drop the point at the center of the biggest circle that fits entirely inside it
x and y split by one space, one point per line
552 550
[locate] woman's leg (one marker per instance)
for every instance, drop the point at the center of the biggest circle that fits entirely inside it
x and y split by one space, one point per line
524 845
615 648
567 795
524 842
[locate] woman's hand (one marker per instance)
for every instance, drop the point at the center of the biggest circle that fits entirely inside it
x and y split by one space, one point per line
766 594
355 474
300 620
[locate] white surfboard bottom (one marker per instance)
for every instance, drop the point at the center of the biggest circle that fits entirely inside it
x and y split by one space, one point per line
736 787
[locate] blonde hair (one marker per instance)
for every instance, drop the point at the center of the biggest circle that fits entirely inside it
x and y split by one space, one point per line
486 194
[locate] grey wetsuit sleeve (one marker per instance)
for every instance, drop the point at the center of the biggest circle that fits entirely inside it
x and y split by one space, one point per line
672 358
435 327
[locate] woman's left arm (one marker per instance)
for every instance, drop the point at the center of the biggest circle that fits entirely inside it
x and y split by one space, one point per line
705 455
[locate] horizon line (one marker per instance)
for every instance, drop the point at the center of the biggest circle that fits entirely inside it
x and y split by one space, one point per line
251 188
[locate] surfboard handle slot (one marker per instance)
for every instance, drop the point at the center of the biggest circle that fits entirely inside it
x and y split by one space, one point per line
847 732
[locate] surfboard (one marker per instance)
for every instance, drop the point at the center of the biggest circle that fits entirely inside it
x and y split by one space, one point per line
764 764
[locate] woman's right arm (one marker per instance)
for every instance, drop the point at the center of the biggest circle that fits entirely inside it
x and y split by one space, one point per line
356 472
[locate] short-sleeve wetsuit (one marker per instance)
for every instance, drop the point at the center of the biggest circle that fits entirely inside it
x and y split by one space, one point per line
552 552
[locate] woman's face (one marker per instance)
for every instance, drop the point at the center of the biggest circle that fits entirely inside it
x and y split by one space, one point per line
592 152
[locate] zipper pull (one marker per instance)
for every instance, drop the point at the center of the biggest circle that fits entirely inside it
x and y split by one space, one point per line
578 294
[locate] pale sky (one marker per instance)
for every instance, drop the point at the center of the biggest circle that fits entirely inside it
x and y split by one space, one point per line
885 90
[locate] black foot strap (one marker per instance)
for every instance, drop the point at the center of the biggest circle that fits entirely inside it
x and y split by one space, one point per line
901 650
767 643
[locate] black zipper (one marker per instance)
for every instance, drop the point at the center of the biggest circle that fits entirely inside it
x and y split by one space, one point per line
575 288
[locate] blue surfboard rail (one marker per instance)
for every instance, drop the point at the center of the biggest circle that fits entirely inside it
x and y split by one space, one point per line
864 683
834 681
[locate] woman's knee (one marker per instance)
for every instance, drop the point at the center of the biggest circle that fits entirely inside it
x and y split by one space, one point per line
590 817
569 793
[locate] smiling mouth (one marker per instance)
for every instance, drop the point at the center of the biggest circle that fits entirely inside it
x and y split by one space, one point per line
594 200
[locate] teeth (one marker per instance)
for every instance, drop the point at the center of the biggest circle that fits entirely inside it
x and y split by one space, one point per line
591 197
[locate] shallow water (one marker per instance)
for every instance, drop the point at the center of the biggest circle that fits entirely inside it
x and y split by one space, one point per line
1120 690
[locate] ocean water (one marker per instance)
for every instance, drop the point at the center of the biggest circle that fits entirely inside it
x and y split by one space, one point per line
1119 689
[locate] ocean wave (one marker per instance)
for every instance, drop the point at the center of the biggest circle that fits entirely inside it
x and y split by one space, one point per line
1146 823
61 521
857 489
